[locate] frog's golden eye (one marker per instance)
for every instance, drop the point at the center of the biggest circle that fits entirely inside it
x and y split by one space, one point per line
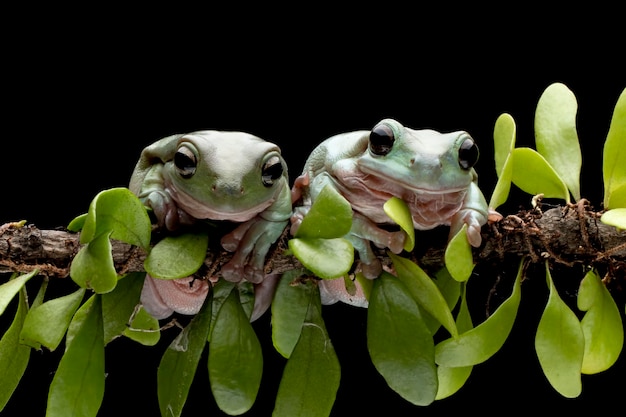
468 153
271 171
381 140
185 162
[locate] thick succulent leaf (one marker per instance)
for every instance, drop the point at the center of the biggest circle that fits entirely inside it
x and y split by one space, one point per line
9 289
118 305
177 256
617 198
289 309
559 343
330 216
556 135
534 175
326 258
235 358
399 212
503 187
424 291
483 341
458 256
615 217
143 328
602 325
180 361
93 267
77 388
310 379
120 212
504 133
614 154
47 323
14 356
400 345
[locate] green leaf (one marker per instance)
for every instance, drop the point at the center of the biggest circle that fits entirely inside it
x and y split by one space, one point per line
289 308
614 153
458 256
400 345
326 258
93 267
9 289
77 223
602 325
77 388
180 361
119 305
119 212
617 198
330 216
534 175
235 359
556 135
424 291
143 328
559 344
450 289
47 323
482 342
615 217
311 377
504 133
399 212
177 256
14 356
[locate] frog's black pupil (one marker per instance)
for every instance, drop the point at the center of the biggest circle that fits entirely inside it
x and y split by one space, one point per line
381 140
468 154
185 164
272 170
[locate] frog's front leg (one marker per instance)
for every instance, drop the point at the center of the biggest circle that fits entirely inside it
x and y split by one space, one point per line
474 213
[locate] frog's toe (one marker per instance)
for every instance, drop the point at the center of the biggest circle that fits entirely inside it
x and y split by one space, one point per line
372 269
253 274
474 236
232 272
396 241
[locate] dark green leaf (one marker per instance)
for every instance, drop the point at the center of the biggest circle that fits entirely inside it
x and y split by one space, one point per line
118 305
289 308
9 289
177 256
143 328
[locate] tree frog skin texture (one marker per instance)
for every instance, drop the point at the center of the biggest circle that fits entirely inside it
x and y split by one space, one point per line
217 175
431 171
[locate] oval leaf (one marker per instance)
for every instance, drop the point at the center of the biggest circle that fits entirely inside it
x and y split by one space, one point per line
602 325
77 388
93 267
559 344
458 256
119 305
399 212
177 256
615 217
330 216
534 175
556 135
235 359
326 258
614 153
400 345
9 289
617 198
143 328
310 380
424 291
503 186
504 133
480 343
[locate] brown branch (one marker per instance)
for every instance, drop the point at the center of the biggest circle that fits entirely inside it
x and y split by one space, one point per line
570 235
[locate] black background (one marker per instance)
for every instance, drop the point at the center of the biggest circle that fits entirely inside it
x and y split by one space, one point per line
83 95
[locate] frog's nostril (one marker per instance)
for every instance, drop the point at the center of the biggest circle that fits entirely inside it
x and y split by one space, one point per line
412 161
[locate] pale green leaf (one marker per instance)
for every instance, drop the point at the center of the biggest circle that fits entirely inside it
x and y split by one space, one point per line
615 217
482 342
143 328
93 267
9 289
617 198
177 256
504 133
311 376
534 175
424 291
614 153
400 345
330 216
602 325
556 135
559 344
399 212
503 186
235 359
326 258
458 256
77 388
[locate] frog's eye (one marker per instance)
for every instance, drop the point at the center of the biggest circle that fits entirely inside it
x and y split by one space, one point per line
271 171
468 153
381 140
185 162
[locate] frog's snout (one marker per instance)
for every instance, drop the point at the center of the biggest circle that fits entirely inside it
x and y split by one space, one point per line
228 189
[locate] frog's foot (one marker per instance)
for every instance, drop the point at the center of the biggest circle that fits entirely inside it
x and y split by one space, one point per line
163 297
333 290
296 218
167 213
366 229
474 221
494 216
370 264
263 295
299 184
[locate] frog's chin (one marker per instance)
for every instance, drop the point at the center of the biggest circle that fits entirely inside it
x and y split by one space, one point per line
378 181
212 211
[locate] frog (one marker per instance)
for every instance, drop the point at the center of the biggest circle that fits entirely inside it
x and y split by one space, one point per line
431 171
219 175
